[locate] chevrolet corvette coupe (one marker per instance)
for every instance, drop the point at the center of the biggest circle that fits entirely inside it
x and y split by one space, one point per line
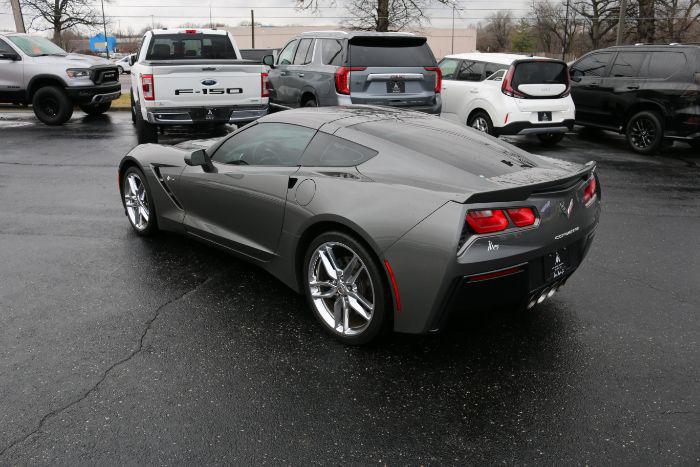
383 218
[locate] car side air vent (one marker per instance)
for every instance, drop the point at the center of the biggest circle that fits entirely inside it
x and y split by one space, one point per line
171 195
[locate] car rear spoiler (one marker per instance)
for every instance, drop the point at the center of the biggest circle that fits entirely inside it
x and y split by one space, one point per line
521 193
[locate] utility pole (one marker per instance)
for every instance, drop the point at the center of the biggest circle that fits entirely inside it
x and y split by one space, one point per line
621 23
17 12
104 25
453 29
211 23
566 32
252 29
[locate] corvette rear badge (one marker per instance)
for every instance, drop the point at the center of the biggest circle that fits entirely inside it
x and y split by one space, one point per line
567 210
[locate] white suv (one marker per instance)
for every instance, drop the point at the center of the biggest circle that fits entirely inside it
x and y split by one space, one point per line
504 94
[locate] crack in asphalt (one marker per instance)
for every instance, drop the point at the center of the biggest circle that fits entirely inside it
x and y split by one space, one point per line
106 373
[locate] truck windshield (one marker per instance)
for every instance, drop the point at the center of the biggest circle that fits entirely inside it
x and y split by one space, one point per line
37 46
191 47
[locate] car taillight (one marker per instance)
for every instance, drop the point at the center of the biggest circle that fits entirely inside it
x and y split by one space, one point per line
264 85
487 220
148 87
342 78
589 191
567 91
438 77
506 84
521 217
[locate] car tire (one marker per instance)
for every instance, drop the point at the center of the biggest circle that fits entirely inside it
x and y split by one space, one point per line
145 131
335 305
310 103
550 139
52 106
95 109
645 132
481 121
133 108
139 209
121 70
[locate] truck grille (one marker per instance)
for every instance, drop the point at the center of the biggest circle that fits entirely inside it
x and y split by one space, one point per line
105 75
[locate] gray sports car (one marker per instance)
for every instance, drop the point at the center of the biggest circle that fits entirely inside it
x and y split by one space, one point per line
385 219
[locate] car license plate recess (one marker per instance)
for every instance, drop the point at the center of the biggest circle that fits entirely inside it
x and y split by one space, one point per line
556 264
544 116
395 87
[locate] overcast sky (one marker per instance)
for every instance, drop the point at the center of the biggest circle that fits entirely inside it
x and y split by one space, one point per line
138 14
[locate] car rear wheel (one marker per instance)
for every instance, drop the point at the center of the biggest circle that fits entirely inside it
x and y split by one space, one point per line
482 122
550 139
345 288
645 133
311 103
95 109
138 202
52 106
121 70
145 132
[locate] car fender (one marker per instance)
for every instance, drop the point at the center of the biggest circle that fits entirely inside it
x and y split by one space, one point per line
307 89
479 103
34 83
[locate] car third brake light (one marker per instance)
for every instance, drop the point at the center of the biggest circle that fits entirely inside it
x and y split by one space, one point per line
148 87
487 220
342 78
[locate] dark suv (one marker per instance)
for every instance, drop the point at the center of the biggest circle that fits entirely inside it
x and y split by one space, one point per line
340 68
649 92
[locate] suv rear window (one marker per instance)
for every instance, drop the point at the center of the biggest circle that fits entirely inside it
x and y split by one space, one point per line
539 72
190 47
390 52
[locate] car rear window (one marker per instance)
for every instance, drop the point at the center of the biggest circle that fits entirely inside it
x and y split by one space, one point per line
190 47
390 52
539 72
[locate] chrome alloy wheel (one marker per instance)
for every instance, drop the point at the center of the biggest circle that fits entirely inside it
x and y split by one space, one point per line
480 123
643 133
136 201
341 288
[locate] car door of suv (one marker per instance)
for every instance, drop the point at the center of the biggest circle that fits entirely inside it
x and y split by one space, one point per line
622 86
586 78
299 70
278 77
464 89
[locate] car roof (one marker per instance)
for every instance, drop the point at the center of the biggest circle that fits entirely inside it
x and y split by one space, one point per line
674 46
350 34
500 58
184 30
338 117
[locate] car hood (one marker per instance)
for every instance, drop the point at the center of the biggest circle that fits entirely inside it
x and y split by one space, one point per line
78 60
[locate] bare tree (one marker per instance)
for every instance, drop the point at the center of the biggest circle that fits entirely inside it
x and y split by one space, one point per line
494 34
677 18
601 16
379 15
553 30
60 15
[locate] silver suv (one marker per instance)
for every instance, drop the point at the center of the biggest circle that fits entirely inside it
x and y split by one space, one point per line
34 70
326 68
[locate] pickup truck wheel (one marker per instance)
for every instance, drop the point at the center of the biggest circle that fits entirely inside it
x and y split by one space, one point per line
550 139
133 108
145 132
95 109
52 106
645 133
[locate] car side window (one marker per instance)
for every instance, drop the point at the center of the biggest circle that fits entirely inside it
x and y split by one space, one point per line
448 66
331 52
331 151
287 54
592 65
664 64
497 76
4 48
492 68
627 64
302 51
471 71
265 144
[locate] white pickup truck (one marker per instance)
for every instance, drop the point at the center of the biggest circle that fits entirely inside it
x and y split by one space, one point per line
193 77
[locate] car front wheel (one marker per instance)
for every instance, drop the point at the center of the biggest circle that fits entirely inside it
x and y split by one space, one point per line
138 202
645 133
52 106
345 288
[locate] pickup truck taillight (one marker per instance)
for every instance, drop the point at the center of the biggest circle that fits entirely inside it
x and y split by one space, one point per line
148 87
264 85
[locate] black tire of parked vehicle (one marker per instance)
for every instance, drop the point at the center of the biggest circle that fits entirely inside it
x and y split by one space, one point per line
95 109
145 132
311 103
550 139
132 108
52 106
381 319
152 224
482 122
645 132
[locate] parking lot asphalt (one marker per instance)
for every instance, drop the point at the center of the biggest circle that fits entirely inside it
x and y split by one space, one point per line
119 349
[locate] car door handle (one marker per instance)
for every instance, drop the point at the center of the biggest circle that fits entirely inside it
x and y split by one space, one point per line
301 75
633 86
474 91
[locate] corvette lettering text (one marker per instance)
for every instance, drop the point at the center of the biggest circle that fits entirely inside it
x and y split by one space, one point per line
567 233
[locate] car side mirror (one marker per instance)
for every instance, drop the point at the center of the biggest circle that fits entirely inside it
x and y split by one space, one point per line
198 157
132 60
9 56
269 60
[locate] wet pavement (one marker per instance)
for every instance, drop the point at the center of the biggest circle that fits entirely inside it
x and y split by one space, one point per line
118 349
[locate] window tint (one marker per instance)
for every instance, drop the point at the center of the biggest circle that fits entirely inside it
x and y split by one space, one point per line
4 48
330 151
492 68
664 64
302 51
332 52
190 47
593 65
287 54
275 144
448 67
627 64
539 72
35 46
471 71
390 52
498 76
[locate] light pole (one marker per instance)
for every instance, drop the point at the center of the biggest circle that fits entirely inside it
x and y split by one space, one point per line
621 23
566 32
453 29
104 25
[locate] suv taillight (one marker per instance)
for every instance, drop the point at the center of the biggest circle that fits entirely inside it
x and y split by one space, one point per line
438 77
148 87
342 78
264 85
506 84
589 191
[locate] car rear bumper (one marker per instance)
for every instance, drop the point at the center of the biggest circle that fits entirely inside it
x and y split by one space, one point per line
201 115
434 108
528 128
94 94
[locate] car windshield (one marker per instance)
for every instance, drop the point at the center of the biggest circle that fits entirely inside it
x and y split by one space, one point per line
37 46
191 46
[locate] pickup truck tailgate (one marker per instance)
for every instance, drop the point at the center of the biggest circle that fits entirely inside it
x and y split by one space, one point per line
204 85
